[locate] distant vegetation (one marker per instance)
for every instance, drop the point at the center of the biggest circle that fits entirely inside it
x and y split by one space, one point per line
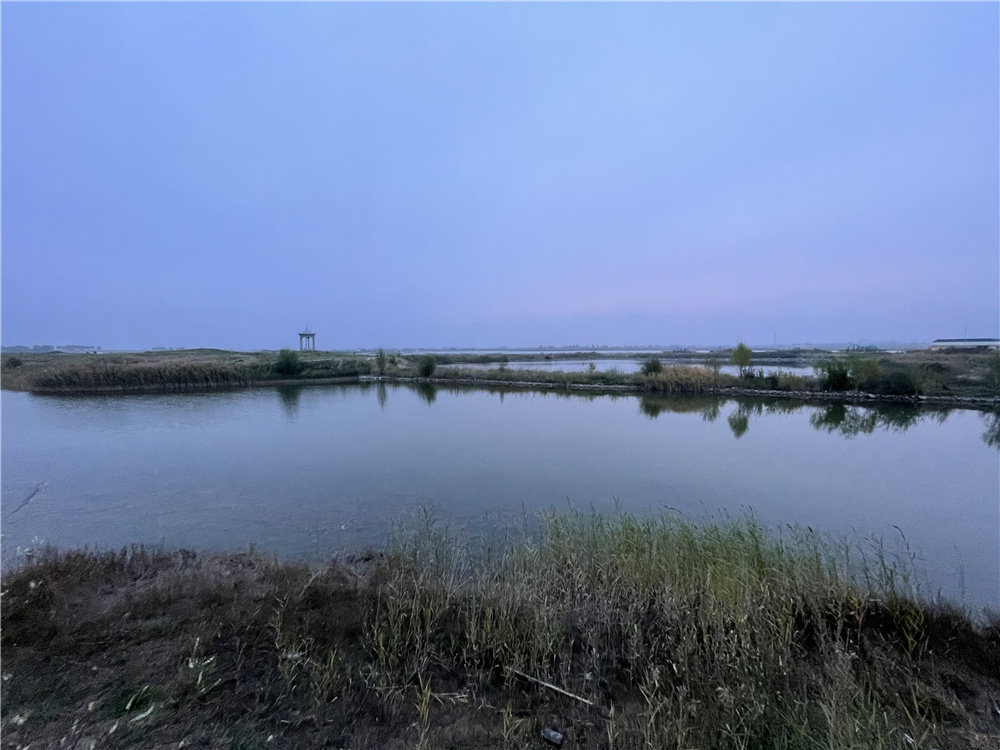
868 374
684 379
427 365
381 362
171 371
651 366
892 376
741 357
113 374
287 363
614 630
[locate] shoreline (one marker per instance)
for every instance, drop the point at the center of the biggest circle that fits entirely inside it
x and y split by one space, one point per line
595 628
980 403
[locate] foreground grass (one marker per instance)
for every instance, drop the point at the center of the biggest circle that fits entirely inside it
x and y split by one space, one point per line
618 632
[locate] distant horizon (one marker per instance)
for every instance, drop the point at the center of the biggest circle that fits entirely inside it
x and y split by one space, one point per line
682 346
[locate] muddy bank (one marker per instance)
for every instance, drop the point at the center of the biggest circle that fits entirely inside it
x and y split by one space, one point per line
398 650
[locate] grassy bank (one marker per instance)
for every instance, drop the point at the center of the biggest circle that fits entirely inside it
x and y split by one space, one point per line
197 369
943 376
617 632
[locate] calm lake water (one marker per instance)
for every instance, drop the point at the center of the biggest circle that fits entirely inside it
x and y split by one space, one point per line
313 471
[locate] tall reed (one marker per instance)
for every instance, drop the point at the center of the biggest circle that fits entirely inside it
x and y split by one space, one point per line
716 635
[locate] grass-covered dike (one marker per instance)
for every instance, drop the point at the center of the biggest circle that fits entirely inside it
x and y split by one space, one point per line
969 379
616 631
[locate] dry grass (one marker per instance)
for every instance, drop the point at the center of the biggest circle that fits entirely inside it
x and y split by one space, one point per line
946 375
684 379
166 371
110 375
617 631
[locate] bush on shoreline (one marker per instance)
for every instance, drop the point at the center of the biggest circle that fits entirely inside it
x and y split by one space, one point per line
427 366
287 363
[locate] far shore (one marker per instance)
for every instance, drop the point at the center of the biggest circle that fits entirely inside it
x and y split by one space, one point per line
957 379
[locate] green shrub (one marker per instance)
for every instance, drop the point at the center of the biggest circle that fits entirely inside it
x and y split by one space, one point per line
741 357
835 374
652 366
993 365
427 365
865 373
288 363
897 383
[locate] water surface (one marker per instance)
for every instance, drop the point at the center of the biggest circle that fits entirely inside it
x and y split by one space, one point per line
307 472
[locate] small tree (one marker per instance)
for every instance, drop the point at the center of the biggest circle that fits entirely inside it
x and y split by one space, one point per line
652 366
741 357
380 361
288 363
865 373
993 363
835 374
427 365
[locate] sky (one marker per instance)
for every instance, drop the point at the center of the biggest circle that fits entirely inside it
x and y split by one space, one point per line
498 174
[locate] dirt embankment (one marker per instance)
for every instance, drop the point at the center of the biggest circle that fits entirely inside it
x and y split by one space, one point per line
175 650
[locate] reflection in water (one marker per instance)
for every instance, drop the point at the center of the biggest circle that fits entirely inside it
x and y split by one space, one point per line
427 392
738 423
222 470
739 420
836 417
653 405
850 420
289 395
992 435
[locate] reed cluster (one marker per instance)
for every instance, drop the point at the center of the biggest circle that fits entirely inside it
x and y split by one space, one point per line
616 631
670 635
101 374
685 379
562 378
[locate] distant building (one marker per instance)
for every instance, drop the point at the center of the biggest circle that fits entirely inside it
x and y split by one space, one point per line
307 340
982 344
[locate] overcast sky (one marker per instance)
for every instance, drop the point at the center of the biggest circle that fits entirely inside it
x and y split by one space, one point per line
426 175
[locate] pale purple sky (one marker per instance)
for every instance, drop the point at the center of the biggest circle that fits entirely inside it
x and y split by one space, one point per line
421 175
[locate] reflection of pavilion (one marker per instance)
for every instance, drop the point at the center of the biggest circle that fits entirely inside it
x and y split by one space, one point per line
307 340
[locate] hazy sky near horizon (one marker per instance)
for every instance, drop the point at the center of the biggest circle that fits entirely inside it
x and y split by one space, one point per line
404 175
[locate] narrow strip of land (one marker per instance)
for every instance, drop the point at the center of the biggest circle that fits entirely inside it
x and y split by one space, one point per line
960 379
